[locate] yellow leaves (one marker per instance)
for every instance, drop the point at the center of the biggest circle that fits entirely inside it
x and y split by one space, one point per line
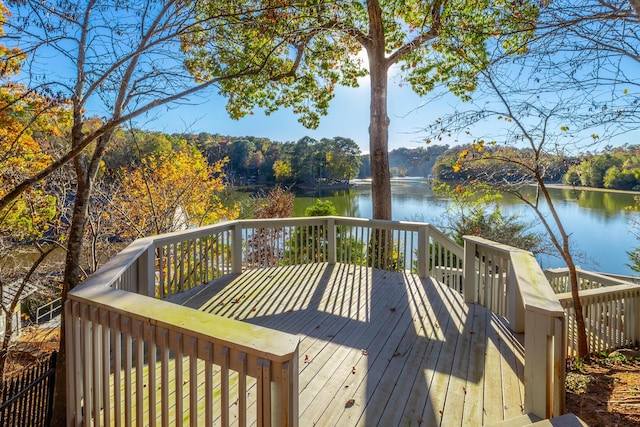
564 128
478 146
462 156
172 191
24 114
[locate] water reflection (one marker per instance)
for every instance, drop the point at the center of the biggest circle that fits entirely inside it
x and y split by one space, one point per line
597 220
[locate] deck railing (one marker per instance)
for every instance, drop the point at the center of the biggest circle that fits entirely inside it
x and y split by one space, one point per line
136 360
186 259
559 280
411 246
510 282
611 308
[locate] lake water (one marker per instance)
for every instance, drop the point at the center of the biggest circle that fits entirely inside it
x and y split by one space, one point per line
597 220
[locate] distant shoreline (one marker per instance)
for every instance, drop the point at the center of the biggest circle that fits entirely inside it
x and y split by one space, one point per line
322 186
555 185
574 187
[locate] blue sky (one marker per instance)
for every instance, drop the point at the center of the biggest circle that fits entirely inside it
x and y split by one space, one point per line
348 117
348 114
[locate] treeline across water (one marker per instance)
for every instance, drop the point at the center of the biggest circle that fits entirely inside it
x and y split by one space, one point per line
257 160
248 160
614 168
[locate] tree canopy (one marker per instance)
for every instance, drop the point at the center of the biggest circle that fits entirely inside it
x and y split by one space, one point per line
305 48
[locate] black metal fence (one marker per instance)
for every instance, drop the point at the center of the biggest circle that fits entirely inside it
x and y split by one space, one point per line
27 399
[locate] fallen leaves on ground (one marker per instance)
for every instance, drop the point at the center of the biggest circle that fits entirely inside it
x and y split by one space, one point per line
605 392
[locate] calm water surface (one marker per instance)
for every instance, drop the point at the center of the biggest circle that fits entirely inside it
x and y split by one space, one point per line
597 220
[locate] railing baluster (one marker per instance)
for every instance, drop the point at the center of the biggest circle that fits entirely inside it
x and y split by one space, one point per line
176 340
138 335
116 329
163 339
242 390
224 385
192 352
150 334
87 375
96 333
207 356
128 367
106 365
160 263
264 393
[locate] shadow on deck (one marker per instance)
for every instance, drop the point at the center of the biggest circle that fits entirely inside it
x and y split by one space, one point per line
379 347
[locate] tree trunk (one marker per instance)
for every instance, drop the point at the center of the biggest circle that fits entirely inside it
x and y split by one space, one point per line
565 252
583 345
72 278
635 4
379 120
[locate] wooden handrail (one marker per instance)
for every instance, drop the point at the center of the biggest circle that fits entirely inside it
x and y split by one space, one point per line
115 333
510 282
611 317
559 279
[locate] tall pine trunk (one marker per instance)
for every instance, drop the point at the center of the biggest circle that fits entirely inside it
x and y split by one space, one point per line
379 120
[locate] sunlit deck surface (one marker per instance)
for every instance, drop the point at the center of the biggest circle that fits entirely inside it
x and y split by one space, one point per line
380 348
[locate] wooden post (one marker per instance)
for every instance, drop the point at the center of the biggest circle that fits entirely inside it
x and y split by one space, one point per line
236 257
294 391
544 364
284 394
72 382
331 241
560 366
469 285
634 318
147 272
423 252
515 306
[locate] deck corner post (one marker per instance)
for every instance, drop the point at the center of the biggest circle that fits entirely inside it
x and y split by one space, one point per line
423 252
516 312
544 364
469 286
294 388
146 272
236 258
560 366
289 392
635 319
72 388
332 241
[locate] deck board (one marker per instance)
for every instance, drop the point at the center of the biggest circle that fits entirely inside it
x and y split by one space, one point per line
377 347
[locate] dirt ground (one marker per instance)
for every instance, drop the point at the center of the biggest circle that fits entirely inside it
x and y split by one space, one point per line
34 344
605 391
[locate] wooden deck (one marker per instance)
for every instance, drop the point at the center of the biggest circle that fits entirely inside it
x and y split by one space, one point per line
380 348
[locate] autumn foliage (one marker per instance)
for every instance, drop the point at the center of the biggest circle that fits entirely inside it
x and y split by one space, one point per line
31 126
168 192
